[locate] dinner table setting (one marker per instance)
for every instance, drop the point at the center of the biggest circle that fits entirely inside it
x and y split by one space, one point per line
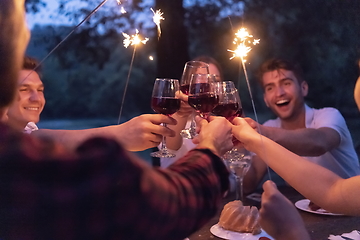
320 224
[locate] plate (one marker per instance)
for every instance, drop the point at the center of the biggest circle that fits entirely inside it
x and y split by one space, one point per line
304 205
230 235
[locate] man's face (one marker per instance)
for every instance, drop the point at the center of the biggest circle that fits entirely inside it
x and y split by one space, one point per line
283 94
29 101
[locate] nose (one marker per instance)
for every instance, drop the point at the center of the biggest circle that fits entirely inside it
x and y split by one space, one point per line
280 91
35 96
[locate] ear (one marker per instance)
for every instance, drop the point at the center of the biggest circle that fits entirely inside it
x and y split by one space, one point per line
267 104
304 88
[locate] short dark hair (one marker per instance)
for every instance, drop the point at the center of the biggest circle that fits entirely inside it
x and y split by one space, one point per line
31 63
278 64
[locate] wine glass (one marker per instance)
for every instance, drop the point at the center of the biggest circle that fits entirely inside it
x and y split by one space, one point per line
229 105
165 101
190 68
202 93
238 161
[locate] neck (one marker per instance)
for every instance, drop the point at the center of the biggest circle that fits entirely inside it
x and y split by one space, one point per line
295 122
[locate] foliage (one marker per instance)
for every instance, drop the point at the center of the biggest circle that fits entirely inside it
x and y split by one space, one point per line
323 36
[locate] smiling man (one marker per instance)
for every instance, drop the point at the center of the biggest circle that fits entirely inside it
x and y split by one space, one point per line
30 100
320 135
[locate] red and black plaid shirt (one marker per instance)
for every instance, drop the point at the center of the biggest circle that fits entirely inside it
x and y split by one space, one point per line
102 191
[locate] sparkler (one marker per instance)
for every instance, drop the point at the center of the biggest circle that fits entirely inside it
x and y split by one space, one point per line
71 32
132 40
242 39
157 18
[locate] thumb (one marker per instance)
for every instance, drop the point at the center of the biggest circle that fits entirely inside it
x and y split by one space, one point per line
200 121
270 186
237 121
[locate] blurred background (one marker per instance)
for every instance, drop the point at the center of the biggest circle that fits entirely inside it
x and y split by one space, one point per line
85 76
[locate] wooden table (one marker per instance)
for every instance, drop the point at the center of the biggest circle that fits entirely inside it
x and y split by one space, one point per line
318 226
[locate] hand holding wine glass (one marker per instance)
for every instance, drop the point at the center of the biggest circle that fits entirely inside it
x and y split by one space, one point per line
165 101
191 68
238 159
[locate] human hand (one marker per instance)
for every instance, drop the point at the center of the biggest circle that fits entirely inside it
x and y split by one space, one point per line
185 109
244 130
279 217
144 131
215 134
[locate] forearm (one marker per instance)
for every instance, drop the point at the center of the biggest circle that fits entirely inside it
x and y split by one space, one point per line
313 181
71 139
305 141
251 180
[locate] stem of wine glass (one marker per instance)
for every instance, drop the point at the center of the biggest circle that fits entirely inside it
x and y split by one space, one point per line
192 123
241 189
237 188
163 142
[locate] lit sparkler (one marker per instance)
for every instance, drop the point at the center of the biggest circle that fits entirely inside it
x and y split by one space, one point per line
241 40
157 18
132 40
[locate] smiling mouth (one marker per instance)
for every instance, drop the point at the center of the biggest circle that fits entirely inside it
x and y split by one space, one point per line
32 108
282 103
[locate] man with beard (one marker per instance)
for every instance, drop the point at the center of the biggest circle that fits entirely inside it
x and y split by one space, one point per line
320 135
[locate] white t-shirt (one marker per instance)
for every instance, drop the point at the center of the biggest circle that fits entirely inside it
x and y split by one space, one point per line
342 160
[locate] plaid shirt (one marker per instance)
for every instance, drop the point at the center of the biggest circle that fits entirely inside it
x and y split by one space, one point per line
102 191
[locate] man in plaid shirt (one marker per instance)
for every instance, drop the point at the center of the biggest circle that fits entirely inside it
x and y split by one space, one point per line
100 191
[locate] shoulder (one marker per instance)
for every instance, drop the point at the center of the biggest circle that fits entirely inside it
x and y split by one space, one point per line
328 114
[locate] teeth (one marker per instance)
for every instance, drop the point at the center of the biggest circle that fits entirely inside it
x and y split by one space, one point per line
282 101
32 108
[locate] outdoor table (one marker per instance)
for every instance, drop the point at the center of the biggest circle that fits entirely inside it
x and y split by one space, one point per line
318 226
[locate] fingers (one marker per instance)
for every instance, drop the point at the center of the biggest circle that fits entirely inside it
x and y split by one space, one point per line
269 186
158 119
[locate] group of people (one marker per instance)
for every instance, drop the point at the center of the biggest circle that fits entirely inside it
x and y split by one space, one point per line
85 184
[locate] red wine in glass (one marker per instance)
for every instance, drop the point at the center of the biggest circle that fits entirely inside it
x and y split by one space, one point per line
202 95
191 68
164 101
185 89
227 110
165 105
203 103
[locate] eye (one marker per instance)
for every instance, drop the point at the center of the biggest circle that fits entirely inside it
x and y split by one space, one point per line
287 83
268 89
23 89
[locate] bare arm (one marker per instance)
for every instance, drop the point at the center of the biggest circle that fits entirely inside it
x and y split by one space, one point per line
254 175
137 134
320 185
305 141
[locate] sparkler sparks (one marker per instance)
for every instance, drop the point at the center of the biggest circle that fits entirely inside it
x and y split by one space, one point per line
133 39
241 40
157 18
